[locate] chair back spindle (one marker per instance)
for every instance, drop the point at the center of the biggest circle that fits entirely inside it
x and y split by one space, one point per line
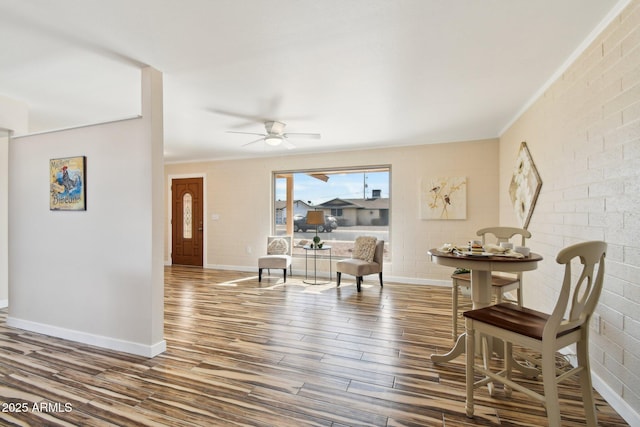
584 292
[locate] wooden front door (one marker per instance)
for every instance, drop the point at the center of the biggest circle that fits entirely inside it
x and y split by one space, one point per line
186 221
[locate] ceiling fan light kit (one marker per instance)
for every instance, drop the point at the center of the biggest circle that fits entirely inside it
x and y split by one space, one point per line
273 140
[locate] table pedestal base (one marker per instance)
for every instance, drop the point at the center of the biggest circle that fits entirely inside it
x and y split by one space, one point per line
460 347
315 282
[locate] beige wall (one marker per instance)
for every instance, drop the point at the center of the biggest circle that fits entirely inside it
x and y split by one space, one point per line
584 136
240 193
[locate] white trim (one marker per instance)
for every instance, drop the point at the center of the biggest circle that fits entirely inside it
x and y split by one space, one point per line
243 268
418 281
623 409
4 303
85 125
204 213
90 339
613 13
390 279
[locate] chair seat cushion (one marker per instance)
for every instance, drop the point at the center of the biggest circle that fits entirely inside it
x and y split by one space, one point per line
511 317
496 280
274 261
357 267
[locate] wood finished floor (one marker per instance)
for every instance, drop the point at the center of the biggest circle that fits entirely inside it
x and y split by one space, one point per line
242 353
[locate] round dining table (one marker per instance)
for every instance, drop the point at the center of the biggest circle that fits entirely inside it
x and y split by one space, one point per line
481 266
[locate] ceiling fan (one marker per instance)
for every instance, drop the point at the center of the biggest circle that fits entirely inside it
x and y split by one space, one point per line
275 135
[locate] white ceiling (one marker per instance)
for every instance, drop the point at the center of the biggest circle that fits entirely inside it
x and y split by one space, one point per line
363 73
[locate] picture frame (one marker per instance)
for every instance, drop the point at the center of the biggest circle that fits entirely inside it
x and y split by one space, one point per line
443 198
525 186
67 184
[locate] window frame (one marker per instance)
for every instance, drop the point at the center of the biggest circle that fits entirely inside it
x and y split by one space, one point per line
279 221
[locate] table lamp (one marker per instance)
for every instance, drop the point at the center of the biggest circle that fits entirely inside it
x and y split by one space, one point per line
315 218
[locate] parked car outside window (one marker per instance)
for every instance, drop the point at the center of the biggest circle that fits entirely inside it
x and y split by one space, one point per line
300 224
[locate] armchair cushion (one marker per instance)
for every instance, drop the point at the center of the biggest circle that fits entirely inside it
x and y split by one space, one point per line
274 261
278 247
364 248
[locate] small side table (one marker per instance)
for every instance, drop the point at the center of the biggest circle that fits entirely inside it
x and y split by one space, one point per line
307 280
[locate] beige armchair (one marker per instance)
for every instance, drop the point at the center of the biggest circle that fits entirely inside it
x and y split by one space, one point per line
279 249
366 259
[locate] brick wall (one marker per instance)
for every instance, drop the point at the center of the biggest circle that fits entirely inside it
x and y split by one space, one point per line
584 137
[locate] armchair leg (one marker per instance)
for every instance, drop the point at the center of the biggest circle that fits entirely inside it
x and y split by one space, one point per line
358 282
259 275
285 274
380 274
338 275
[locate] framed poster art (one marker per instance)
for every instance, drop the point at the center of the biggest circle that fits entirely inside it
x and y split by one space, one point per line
67 184
444 198
525 186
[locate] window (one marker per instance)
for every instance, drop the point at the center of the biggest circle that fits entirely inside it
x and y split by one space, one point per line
355 201
187 217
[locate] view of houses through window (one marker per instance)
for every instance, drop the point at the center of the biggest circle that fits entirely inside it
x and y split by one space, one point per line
355 202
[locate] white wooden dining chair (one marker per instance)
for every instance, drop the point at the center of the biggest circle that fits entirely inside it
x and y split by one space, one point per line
500 283
568 324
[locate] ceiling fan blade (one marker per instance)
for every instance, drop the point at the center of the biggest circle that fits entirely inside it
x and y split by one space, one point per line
247 133
302 135
287 144
253 142
251 117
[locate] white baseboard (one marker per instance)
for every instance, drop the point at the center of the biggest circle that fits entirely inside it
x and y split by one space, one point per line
90 339
4 303
243 268
416 281
390 279
629 414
